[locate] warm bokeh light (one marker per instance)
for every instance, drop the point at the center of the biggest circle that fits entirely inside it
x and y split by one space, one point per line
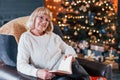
55 7
115 5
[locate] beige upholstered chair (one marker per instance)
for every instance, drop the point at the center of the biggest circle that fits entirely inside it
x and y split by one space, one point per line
8 48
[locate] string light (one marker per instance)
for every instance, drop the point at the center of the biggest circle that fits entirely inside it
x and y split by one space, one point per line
78 27
56 0
54 6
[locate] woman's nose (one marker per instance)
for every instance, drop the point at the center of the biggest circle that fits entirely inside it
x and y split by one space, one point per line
44 22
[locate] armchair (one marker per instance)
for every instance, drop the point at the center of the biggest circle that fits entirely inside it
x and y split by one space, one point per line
14 29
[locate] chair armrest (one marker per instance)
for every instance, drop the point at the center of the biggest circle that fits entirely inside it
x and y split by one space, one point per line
10 73
96 69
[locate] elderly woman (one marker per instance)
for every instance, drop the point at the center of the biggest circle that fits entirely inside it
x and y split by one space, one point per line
40 50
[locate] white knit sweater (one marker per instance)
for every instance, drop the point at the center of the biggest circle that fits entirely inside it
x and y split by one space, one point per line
37 52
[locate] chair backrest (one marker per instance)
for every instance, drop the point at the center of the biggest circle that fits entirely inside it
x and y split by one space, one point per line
17 26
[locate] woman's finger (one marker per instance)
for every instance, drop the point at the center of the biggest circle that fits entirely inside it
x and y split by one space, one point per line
69 55
65 56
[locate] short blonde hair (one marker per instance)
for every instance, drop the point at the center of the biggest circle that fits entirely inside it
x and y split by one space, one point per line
35 13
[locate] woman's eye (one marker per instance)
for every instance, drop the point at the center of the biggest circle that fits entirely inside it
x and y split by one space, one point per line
47 20
41 17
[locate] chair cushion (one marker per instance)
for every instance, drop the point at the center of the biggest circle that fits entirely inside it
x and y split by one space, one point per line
8 49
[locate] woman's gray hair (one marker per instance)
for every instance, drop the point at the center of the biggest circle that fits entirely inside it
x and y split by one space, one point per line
35 13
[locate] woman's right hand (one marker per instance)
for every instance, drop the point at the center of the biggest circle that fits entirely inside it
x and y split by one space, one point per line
44 74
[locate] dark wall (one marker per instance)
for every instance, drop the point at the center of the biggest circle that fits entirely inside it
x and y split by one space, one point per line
119 10
10 9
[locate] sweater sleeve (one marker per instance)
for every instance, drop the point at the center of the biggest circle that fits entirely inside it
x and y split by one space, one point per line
23 57
66 48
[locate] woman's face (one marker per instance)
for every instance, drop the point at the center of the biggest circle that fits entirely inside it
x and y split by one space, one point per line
42 22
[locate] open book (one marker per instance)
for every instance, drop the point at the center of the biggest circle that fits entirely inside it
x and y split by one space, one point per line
65 66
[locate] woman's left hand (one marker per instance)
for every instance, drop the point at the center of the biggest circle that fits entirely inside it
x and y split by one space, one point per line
73 58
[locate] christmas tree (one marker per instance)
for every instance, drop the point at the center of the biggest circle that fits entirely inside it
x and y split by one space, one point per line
92 20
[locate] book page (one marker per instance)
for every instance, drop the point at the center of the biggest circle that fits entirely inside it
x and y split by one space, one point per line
65 66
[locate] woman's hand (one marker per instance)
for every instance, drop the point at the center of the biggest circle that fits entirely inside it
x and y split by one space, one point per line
44 74
73 58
